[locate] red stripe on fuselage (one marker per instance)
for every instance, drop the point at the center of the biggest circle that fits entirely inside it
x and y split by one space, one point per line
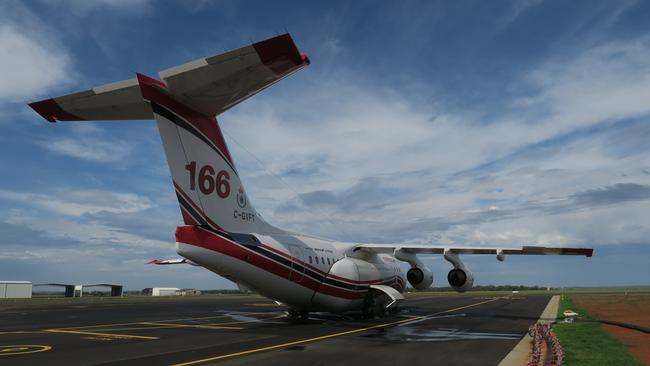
288 256
207 240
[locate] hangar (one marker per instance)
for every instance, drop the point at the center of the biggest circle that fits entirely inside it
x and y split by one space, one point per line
15 289
72 290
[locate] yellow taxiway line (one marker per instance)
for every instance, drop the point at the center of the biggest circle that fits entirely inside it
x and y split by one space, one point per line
205 326
22 349
138 322
328 336
111 335
96 330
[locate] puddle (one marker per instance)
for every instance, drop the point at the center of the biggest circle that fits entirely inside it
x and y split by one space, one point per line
406 333
410 334
249 316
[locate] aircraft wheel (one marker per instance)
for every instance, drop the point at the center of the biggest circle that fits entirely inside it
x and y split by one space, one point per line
293 313
369 309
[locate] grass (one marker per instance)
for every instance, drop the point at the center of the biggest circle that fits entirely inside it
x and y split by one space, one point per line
585 342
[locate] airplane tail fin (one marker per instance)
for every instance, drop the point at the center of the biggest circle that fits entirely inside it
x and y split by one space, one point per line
185 105
206 181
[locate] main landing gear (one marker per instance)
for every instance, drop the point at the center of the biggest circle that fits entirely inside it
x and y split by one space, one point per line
294 313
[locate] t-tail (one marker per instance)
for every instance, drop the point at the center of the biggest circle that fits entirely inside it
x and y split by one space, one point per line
185 105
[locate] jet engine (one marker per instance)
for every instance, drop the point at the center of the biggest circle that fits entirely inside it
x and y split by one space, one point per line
419 277
460 280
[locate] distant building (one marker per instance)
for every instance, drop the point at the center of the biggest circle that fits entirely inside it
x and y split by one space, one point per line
72 290
190 292
15 289
162 291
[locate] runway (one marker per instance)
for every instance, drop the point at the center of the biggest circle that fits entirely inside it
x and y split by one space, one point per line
243 330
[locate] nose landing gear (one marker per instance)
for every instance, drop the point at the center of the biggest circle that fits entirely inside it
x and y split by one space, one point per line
374 306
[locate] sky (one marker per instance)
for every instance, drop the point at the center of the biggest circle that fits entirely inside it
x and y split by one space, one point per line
501 123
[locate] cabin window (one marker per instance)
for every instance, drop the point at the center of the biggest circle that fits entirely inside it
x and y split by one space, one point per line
322 259
316 260
310 262
328 261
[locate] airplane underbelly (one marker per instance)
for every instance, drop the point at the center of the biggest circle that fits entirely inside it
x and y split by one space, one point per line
264 276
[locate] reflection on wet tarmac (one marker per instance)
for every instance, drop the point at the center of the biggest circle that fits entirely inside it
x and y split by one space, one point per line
411 334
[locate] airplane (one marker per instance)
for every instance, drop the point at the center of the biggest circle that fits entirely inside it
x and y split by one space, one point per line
222 231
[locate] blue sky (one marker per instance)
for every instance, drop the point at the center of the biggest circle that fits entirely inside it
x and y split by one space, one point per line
452 123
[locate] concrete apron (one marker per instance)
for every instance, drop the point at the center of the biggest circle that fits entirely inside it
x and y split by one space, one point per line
519 355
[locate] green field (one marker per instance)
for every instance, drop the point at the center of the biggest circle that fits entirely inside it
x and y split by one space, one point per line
586 343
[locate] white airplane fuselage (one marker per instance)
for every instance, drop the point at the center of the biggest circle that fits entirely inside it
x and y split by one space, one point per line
306 273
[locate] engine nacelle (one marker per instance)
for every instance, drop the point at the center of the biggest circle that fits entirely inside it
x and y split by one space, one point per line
420 277
460 279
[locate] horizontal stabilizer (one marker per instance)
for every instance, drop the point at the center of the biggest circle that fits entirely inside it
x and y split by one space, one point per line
208 85
172 261
115 101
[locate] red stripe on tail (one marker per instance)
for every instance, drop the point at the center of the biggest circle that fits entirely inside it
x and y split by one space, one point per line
280 54
155 91
52 111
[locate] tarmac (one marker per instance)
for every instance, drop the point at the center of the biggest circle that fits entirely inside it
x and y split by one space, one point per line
243 330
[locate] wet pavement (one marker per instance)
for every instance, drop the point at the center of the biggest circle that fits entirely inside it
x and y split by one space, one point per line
241 330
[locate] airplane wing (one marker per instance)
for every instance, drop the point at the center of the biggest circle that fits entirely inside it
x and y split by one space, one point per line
431 249
172 261
210 85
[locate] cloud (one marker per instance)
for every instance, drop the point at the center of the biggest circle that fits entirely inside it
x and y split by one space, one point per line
78 203
619 193
82 7
89 148
610 81
515 10
34 60
370 165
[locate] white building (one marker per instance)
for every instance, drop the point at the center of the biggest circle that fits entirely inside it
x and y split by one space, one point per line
15 289
162 291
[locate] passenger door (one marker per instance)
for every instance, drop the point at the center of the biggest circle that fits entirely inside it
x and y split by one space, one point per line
297 270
